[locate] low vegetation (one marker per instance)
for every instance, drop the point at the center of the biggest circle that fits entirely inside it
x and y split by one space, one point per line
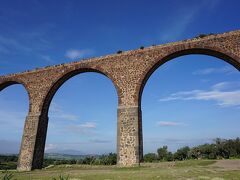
8 162
189 169
109 159
205 161
204 35
220 149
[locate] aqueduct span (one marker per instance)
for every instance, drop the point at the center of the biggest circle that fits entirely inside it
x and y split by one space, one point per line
129 72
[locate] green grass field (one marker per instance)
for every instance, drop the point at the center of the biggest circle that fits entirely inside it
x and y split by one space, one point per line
190 169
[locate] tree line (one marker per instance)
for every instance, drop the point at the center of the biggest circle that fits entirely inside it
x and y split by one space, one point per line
108 159
219 149
10 161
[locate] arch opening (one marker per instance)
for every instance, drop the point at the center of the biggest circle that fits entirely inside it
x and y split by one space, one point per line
14 107
227 57
198 97
65 78
82 114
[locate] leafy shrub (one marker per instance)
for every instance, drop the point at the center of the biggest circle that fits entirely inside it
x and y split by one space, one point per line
150 157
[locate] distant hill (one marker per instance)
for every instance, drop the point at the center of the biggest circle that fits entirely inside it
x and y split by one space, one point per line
66 151
60 156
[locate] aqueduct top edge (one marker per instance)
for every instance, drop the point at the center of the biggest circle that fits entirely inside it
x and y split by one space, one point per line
126 53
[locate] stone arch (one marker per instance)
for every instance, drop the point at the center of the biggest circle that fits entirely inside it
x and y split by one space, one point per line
68 75
172 54
204 50
40 120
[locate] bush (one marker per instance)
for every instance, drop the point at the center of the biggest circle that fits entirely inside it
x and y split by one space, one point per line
203 35
169 156
150 157
119 52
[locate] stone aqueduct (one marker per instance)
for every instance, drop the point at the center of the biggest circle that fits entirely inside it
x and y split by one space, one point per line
129 72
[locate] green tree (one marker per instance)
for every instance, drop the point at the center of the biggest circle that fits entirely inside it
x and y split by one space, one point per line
194 153
162 153
182 153
169 156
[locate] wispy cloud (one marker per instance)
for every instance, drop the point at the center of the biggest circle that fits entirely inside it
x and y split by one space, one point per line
12 45
49 147
33 43
217 92
57 112
85 128
222 70
182 19
170 123
87 125
47 58
25 42
76 53
100 141
178 26
226 86
12 119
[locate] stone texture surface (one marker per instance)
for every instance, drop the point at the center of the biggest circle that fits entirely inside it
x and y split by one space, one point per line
128 71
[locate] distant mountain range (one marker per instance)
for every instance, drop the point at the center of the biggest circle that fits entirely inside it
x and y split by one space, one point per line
67 154
65 151
58 156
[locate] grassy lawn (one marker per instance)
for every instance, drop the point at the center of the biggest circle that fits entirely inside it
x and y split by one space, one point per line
191 169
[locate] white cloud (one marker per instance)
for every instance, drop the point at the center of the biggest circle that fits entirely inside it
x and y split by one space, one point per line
85 128
222 70
75 53
169 123
57 112
217 93
50 147
226 86
88 125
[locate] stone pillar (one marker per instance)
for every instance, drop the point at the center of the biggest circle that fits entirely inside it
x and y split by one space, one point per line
129 143
33 143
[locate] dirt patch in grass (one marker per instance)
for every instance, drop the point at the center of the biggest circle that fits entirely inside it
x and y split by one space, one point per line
230 164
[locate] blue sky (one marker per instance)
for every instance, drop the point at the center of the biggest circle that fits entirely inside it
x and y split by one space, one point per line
187 101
